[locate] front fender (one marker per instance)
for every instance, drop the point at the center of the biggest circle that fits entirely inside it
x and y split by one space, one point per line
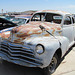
50 44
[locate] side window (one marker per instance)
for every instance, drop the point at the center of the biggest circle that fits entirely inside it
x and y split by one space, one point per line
73 20
67 20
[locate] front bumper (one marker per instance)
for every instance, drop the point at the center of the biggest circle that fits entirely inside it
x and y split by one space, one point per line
19 54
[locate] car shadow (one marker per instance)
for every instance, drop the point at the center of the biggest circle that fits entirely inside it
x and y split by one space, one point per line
7 68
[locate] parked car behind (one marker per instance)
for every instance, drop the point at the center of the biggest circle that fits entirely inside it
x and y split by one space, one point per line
40 43
6 24
20 20
15 21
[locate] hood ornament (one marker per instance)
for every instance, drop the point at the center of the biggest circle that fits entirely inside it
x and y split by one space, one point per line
43 28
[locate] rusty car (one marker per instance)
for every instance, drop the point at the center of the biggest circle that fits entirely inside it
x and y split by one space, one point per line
40 43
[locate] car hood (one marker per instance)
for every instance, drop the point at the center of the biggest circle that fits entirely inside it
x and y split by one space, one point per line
32 29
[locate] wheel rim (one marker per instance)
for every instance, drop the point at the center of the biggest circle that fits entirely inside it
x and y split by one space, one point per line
53 65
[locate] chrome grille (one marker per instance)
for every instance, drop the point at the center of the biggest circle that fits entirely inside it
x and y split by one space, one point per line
19 52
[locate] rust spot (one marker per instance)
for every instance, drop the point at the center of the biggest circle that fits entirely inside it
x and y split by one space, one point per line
47 35
5 34
53 31
18 41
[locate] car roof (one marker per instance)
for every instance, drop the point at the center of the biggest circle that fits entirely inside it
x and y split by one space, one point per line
54 11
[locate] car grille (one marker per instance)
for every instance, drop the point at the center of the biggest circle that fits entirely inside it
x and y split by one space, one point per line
19 52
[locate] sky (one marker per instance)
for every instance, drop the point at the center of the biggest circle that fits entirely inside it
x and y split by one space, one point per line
25 5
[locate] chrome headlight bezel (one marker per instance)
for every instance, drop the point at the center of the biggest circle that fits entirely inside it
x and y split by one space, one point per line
40 49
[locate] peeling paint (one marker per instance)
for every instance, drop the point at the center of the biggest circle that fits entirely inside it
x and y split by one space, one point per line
5 35
30 30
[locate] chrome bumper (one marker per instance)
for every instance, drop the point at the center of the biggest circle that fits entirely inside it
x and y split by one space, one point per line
19 54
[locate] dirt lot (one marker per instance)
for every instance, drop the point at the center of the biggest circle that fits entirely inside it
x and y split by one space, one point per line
67 67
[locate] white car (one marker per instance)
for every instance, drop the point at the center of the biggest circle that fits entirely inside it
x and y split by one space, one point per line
40 43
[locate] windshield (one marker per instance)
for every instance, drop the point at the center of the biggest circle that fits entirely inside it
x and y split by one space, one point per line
18 21
47 17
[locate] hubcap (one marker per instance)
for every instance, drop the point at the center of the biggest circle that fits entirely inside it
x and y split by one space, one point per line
53 64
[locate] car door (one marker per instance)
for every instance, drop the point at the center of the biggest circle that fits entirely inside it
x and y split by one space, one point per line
73 21
68 29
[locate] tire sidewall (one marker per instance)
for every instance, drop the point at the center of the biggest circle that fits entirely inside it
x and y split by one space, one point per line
47 69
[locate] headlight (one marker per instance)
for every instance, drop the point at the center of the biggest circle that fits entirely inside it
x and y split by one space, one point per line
39 49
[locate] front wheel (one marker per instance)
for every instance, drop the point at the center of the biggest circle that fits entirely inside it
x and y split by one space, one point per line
52 66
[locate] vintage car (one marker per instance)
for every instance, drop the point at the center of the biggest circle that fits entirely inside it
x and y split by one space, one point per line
20 20
11 22
17 20
40 43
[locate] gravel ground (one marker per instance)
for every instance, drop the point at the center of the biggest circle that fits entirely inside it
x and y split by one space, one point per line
67 66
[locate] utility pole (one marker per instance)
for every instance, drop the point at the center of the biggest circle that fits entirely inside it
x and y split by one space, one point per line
2 11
